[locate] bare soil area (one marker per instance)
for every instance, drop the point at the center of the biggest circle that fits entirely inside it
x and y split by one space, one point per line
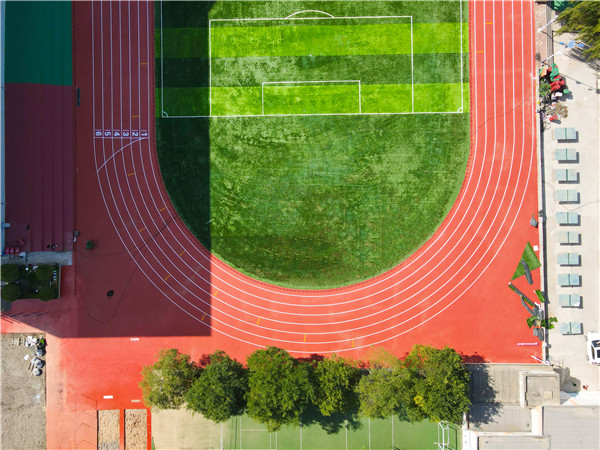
22 395
135 429
108 429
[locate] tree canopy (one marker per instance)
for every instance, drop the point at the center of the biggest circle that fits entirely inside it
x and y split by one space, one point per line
279 387
165 382
584 19
440 383
219 393
335 382
379 393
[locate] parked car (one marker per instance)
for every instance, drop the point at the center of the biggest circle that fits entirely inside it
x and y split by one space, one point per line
593 347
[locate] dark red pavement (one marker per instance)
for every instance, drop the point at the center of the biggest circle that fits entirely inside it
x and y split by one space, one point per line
39 162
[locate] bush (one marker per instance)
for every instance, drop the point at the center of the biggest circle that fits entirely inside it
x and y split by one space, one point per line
44 272
9 273
11 292
46 293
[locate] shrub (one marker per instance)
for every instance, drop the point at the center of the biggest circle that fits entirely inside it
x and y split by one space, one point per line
9 273
46 293
44 272
11 292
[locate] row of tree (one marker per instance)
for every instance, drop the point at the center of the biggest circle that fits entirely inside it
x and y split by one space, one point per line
274 388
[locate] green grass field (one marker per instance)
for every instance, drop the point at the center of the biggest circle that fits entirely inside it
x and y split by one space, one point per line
244 433
287 157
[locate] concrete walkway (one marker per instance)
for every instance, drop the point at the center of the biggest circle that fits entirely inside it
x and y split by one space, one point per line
60 258
569 351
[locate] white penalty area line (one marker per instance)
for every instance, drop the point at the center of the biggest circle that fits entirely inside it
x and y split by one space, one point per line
290 17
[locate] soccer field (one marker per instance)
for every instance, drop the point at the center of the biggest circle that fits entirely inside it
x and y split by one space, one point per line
312 144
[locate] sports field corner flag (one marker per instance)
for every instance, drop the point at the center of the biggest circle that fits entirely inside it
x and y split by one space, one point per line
529 261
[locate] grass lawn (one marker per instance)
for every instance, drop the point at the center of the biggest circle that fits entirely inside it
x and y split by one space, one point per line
315 201
335 433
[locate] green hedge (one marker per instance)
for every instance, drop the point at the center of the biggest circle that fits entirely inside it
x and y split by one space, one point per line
11 292
44 272
9 273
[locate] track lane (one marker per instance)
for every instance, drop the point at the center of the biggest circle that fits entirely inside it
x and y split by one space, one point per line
426 284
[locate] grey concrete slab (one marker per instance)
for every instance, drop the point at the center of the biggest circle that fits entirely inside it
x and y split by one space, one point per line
568 351
572 427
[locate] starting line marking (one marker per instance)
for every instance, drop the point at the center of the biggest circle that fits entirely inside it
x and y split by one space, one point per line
203 317
258 321
167 277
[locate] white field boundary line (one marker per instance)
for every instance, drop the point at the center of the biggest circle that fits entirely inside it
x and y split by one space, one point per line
262 93
165 115
459 111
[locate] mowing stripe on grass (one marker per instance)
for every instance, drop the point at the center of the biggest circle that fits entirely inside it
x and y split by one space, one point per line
314 99
270 40
368 39
369 69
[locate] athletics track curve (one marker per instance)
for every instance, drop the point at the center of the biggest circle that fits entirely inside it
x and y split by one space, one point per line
486 228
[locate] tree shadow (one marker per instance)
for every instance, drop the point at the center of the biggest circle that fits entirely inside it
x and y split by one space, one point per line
334 423
475 358
483 395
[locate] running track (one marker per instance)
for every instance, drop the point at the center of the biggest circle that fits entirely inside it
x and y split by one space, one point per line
171 293
452 291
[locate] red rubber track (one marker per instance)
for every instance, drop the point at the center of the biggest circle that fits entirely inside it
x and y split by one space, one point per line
452 291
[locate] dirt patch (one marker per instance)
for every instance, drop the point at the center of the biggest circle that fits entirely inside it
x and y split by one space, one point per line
108 429
136 430
23 396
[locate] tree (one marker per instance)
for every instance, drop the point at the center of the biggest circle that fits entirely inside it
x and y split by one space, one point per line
44 272
9 272
46 293
583 18
335 383
438 384
165 382
219 393
379 392
279 387
11 292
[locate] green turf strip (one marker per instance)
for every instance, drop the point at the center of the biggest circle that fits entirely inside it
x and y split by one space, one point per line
327 98
370 69
293 40
195 14
382 69
38 43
